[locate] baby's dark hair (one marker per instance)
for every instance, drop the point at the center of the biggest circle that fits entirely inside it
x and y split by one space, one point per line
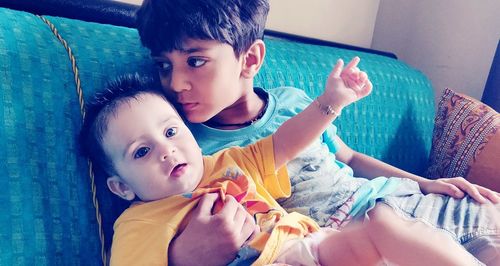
98 110
101 107
165 24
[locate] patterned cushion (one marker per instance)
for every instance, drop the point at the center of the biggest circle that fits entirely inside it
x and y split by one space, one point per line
466 141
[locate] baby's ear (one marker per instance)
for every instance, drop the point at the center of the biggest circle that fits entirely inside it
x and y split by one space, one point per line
120 188
253 59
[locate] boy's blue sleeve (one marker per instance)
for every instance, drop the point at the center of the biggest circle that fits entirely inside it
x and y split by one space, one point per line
329 138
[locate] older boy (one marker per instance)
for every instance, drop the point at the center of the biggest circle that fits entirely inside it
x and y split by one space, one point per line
208 52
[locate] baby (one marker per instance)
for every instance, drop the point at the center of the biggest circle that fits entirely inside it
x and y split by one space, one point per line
137 137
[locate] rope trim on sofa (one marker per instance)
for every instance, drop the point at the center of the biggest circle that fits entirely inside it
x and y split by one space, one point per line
79 92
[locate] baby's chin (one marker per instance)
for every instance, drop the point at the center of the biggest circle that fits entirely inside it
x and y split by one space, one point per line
180 189
195 180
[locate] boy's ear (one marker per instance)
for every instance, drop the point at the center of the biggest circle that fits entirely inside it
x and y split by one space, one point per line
253 59
120 188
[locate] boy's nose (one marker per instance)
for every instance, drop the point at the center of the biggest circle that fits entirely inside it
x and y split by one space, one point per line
179 82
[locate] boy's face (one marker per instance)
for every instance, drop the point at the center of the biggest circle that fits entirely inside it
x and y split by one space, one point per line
153 152
204 78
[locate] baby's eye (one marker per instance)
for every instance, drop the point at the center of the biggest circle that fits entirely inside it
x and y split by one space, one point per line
196 62
141 152
171 132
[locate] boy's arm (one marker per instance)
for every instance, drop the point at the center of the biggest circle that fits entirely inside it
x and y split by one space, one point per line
343 87
369 167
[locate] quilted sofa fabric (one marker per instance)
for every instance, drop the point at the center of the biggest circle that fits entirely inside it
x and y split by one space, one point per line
47 213
48 216
393 124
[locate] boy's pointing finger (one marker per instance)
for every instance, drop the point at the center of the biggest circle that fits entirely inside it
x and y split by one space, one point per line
354 63
337 69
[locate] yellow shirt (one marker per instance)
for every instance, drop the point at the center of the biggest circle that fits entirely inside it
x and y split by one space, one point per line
144 231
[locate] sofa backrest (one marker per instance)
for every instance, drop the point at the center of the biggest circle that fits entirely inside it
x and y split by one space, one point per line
393 124
48 216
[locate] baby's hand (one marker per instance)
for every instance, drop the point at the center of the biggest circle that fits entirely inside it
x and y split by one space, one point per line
345 85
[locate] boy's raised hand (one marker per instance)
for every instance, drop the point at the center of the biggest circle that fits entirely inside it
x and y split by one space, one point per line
346 85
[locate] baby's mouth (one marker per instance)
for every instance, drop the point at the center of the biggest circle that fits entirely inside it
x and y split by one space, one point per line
179 170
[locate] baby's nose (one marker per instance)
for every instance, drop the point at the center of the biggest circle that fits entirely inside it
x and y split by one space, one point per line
167 151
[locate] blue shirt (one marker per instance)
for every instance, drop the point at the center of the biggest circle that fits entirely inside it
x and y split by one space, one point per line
320 183
284 103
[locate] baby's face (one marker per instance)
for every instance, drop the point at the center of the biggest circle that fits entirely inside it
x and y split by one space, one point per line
151 148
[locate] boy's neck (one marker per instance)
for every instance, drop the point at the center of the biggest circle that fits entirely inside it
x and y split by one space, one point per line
244 112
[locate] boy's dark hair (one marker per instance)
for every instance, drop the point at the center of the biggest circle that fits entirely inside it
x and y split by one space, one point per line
103 105
165 24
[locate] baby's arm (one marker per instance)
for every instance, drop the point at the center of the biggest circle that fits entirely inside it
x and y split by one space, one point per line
343 87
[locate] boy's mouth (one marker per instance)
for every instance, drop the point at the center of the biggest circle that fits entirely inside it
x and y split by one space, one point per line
188 107
179 170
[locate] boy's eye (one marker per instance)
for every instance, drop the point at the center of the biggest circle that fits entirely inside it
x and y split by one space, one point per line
141 152
196 62
171 132
164 66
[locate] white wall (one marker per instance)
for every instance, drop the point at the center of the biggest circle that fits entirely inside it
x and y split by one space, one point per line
135 2
350 22
331 20
452 41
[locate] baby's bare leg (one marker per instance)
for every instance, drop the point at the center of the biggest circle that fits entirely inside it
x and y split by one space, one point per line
386 237
351 246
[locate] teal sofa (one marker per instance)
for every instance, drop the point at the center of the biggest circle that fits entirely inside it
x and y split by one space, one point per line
52 213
